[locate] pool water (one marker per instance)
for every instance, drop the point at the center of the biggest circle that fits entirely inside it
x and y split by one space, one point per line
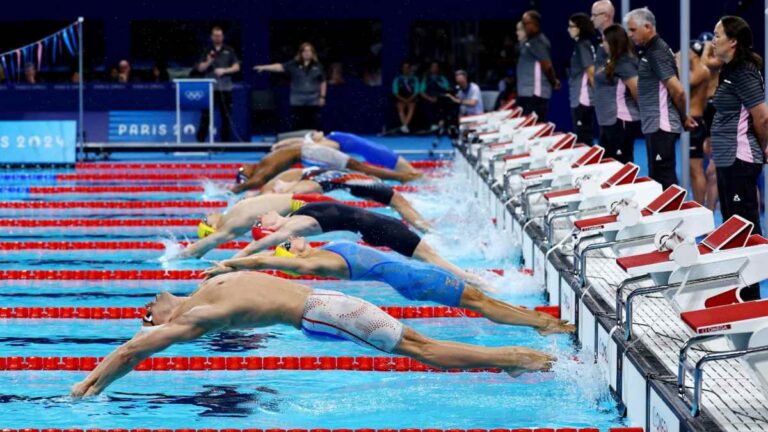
572 395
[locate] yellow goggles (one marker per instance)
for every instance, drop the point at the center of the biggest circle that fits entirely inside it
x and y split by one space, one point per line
204 230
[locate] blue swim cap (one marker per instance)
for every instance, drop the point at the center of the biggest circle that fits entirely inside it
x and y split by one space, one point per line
706 37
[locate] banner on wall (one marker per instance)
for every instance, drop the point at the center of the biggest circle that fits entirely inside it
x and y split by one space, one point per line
38 141
152 126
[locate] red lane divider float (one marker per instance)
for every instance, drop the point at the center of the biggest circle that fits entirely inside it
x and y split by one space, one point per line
94 223
115 313
217 363
206 166
122 245
569 429
145 189
138 275
37 205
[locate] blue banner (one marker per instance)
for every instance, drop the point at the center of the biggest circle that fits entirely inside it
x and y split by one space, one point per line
38 141
194 95
152 126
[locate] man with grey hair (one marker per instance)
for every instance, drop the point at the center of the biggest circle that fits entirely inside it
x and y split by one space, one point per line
602 14
661 96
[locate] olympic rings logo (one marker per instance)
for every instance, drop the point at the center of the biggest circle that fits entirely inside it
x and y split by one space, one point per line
194 95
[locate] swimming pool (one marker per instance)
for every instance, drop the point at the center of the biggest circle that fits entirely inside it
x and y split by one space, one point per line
572 395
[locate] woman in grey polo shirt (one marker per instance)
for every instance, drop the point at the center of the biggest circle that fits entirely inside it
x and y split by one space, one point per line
308 86
740 125
616 96
581 76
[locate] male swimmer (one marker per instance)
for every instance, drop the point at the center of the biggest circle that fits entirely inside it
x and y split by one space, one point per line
251 299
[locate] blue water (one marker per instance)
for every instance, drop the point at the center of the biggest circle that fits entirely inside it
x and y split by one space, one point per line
572 395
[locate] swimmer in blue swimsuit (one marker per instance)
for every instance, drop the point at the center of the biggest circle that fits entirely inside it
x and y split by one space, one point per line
373 153
414 280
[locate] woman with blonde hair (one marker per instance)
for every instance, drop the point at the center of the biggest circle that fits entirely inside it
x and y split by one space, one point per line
308 86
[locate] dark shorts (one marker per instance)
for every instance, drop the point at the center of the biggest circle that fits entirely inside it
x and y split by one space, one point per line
698 136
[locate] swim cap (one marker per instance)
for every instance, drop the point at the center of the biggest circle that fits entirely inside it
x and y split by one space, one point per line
697 47
284 250
241 177
258 233
706 37
150 329
204 230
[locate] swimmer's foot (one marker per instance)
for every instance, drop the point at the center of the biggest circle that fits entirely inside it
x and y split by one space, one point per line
529 360
410 176
554 326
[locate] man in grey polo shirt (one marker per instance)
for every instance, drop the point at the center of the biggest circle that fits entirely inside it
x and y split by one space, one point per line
661 96
535 75
219 61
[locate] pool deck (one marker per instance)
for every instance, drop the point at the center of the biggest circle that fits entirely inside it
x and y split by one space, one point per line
642 372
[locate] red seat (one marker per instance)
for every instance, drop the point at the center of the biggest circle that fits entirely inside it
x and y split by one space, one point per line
595 222
560 193
723 315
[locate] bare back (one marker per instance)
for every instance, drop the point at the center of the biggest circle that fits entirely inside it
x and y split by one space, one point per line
249 299
700 93
248 211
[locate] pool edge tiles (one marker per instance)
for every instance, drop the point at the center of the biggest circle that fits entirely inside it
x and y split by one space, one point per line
654 404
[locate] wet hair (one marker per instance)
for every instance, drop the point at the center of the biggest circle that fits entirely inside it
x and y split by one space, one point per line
736 28
618 41
584 24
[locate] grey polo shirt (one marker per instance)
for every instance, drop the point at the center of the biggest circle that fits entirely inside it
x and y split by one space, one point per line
579 89
531 80
612 98
305 82
657 111
225 57
733 132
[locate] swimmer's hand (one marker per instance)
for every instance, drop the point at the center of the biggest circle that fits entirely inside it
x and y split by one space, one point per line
82 389
217 269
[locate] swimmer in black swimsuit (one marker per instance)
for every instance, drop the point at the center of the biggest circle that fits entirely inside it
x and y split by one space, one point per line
322 180
375 229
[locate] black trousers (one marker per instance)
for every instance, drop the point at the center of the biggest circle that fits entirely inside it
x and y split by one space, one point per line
305 117
535 104
618 140
737 190
583 117
661 157
222 102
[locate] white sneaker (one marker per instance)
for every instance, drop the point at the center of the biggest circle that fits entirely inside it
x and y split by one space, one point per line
404 129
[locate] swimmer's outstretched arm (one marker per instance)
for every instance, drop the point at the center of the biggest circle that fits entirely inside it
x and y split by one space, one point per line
305 266
125 358
267 242
221 236
294 226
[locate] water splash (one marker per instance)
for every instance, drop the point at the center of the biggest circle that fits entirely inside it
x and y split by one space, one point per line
580 376
513 284
213 191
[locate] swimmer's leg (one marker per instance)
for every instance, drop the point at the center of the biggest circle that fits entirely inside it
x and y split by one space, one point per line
406 210
504 313
454 355
424 252
404 166
382 173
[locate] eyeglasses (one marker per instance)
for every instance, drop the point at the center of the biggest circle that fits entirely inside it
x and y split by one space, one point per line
598 14
287 245
572 26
